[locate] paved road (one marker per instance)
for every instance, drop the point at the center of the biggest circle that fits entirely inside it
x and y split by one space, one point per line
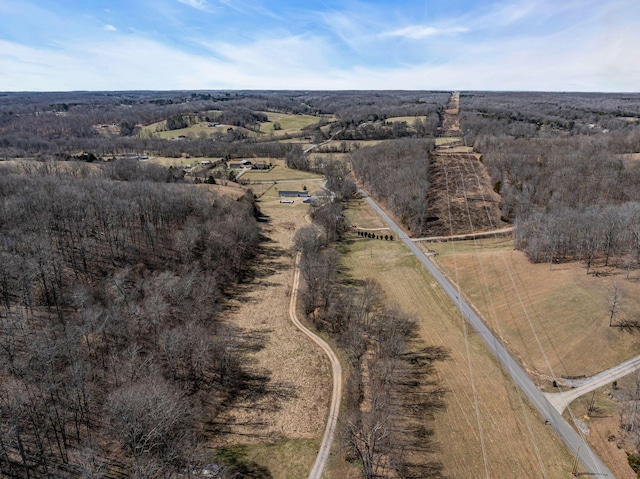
334 409
561 400
572 440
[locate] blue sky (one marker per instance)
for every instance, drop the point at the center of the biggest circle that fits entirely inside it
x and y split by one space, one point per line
557 45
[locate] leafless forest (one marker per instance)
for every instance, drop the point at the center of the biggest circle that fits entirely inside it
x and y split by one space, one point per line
565 167
114 272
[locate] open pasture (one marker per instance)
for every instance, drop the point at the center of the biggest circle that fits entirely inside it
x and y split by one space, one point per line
554 318
278 173
504 416
288 123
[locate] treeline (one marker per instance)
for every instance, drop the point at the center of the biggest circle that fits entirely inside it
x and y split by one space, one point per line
228 145
111 346
607 233
40 124
397 172
374 129
391 393
572 191
526 113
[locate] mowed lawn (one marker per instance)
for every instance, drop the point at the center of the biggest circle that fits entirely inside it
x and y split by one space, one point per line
288 123
515 439
554 318
278 173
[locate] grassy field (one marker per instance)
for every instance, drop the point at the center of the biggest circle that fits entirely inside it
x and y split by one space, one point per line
287 459
289 124
325 156
560 306
511 430
445 140
279 430
278 173
408 119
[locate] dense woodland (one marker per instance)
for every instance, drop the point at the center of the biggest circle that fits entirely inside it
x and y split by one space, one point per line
564 167
110 340
397 172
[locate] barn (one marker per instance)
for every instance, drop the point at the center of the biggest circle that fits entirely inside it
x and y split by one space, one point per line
293 194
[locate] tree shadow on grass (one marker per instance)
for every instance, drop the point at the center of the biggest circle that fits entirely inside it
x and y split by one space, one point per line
236 464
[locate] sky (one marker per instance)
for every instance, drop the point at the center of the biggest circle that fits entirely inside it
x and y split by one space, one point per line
532 45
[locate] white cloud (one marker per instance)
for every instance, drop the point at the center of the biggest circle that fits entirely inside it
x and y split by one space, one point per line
417 32
580 57
199 5
110 28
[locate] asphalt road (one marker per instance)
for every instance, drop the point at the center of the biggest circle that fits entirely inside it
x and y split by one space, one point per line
589 460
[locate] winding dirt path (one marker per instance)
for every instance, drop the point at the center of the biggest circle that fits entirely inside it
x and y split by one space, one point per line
334 409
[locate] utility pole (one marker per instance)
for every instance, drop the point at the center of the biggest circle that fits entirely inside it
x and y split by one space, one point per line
574 469
591 404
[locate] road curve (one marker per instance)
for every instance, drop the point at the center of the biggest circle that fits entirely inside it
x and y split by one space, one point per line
567 434
334 409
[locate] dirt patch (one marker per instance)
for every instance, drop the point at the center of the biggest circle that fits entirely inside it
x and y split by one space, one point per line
460 197
450 117
604 438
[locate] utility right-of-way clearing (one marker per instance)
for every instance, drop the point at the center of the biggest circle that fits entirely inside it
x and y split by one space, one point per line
573 441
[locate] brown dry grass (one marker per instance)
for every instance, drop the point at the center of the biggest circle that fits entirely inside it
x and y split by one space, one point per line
565 307
511 429
604 434
360 214
278 173
282 430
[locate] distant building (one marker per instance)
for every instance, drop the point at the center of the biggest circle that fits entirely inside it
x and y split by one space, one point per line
245 163
236 166
260 166
293 194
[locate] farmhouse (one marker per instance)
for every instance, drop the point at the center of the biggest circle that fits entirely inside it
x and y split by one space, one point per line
236 166
293 194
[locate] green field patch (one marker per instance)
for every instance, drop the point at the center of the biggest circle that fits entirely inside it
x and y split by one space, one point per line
278 173
288 459
408 119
